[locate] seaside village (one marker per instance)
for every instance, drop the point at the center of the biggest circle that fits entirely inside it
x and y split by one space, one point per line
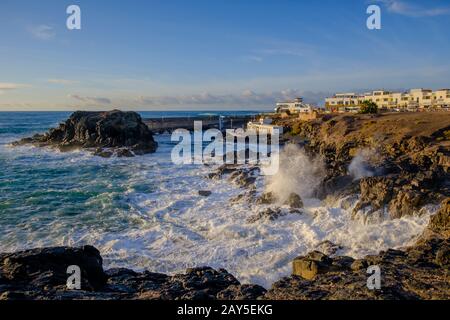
416 100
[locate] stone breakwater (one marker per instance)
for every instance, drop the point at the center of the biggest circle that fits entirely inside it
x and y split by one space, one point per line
105 133
161 125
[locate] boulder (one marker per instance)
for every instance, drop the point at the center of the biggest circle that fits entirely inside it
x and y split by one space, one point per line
112 129
48 267
204 193
311 265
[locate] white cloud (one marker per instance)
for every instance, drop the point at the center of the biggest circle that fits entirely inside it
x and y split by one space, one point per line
62 81
91 100
8 86
252 58
408 9
42 32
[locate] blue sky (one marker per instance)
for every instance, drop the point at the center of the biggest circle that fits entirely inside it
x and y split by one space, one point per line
214 54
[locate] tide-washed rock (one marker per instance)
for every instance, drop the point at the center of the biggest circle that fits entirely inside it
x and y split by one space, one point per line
224 169
124 132
328 247
375 192
440 222
267 198
267 214
294 201
405 203
243 178
204 193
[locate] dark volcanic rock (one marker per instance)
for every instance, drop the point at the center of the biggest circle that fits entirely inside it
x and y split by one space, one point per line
116 130
48 267
204 193
242 292
40 274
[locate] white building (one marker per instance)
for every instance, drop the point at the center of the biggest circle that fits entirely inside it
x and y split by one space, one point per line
415 99
296 106
265 125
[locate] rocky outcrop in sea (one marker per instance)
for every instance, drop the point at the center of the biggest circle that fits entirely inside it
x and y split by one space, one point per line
105 133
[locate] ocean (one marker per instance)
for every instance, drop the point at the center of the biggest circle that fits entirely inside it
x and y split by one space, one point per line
145 212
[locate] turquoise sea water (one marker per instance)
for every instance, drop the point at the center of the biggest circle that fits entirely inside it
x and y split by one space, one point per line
40 187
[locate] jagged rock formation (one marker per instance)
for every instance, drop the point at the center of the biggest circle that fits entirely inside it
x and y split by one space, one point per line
407 166
107 133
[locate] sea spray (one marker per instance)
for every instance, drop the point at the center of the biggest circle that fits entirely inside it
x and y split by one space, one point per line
360 167
298 174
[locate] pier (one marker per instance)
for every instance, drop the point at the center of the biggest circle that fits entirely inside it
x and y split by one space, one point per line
167 124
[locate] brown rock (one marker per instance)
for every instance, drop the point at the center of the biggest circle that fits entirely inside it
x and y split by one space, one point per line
294 201
313 264
440 222
405 203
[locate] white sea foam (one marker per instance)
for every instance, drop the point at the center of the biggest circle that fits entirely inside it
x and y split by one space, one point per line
145 213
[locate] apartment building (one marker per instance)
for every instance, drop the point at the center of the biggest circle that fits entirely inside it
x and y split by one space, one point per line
415 99
296 106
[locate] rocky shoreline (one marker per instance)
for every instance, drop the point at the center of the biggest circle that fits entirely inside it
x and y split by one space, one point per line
395 165
418 272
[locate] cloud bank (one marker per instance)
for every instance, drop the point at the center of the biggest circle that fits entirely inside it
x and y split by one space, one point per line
245 99
9 86
91 100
